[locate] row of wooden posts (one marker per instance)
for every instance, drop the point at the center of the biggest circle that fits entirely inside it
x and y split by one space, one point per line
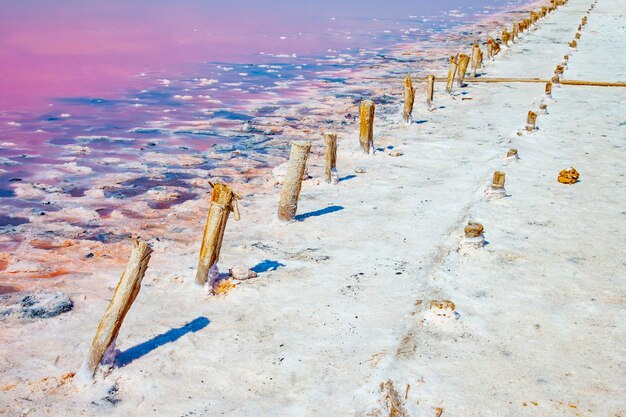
224 200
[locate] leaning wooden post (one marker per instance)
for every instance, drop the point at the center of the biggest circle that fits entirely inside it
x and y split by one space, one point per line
292 184
463 63
409 98
125 293
223 201
366 135
531 120
454 62
430 91
331 158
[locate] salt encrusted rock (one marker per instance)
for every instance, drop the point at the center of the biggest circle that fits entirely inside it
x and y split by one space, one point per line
35 305
242 273
568 176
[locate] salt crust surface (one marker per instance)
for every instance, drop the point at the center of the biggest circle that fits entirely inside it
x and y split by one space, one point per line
340 301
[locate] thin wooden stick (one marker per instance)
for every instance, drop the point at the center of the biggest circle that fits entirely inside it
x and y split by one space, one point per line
331 158
223 201
409 98
548 89
293 180
592 83
454 63
125 293
366 134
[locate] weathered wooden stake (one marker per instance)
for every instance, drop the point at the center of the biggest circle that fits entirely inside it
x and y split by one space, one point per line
430 91
496 48
498 180
123 298
505 37
573 44
577 35
463 63
515 32
409 98
454 63
512 153
366 135
531 120
549 89
293 180
331 158
223 201
490 49
559 70
475 59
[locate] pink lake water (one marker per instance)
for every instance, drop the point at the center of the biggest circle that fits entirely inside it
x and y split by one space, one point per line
127 90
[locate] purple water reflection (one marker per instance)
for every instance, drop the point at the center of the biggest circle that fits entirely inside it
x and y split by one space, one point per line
128 97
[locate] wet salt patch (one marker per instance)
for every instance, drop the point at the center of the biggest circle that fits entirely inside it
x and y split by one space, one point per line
7 161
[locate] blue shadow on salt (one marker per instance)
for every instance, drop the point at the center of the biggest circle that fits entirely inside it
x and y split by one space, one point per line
172 335
316 213
266 265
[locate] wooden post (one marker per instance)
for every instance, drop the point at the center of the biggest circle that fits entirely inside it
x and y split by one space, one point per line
463 62
409 98
559 70
549 89
430 91
366 135
223 201
555 79
573 44
473 230
531 120
584 21
454 62
577 35
123 298
490 49
505 37
498 180
515 32
496 48
331 158
512 153
475 59
293 180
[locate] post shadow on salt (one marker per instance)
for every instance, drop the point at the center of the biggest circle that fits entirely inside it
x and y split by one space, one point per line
171 336
317 213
